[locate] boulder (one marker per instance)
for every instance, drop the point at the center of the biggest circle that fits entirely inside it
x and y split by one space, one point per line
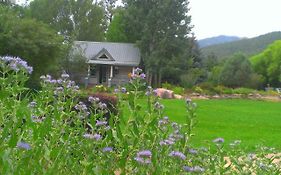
165 93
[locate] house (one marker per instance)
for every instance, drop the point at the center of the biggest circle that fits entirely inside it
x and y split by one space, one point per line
108 63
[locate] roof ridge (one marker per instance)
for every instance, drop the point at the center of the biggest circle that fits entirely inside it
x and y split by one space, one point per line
105 42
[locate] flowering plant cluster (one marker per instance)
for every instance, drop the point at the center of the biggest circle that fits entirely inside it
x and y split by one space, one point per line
53 132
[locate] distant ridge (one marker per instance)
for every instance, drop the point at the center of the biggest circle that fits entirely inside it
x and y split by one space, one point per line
217 40
248 46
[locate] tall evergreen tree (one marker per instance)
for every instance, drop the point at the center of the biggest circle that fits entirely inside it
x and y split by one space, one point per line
161 29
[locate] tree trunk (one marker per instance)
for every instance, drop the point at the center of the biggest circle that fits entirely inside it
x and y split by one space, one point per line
159 79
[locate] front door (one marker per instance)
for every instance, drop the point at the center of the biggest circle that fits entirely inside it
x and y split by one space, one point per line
102 74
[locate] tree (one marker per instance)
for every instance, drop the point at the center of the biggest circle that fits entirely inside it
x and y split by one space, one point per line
116 30
161 29
236 72
268 63
31 40
78 19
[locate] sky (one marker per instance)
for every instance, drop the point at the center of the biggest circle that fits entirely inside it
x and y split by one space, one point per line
243 18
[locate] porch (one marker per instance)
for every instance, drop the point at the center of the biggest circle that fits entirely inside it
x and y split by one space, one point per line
107 75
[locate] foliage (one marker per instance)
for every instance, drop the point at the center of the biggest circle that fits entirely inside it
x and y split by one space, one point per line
32 40
116 29
100 89
78 20
268 64
192 77
165 44
74 64
176 89
236 71
51 132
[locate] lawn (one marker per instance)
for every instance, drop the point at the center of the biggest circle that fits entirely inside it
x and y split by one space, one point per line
252 122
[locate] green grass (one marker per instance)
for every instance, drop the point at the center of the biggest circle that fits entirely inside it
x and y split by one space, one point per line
252 122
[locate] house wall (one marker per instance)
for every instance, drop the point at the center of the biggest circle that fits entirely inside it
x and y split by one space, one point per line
118 79
122 76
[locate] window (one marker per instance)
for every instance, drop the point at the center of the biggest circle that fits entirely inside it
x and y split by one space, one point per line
93 70
115 70
103 56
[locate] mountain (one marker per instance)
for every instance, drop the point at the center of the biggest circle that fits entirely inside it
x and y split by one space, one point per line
217 40
248 46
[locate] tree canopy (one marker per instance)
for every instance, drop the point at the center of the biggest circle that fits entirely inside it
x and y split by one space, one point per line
31 40
161 29
268 63
80 20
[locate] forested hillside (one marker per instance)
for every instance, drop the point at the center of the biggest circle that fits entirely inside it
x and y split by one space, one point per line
248 47
217 40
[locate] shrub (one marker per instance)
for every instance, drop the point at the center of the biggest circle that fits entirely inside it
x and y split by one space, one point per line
243 91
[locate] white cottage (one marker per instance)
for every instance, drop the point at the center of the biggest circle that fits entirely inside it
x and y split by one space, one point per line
109 63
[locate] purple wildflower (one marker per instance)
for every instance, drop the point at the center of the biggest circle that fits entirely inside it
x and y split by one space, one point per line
123 90
218 140
107 149
37 119
188 100
32 104
102 106
64 76
101 123
167 142
142 160
159 106
137 71
144 153
116 90
178 154
93 99
93 136
192 151
142 76
81 106
196 169
23 145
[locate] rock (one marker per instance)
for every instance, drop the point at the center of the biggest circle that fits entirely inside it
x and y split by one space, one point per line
165 93
178 96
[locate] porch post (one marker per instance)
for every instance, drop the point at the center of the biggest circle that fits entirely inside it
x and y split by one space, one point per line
89 70
87 78
110 76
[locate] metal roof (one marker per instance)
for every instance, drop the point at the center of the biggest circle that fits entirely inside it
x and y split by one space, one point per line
126 54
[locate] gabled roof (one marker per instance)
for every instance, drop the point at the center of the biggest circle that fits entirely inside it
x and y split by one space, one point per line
126 54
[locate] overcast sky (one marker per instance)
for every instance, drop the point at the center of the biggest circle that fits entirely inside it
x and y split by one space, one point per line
243 18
